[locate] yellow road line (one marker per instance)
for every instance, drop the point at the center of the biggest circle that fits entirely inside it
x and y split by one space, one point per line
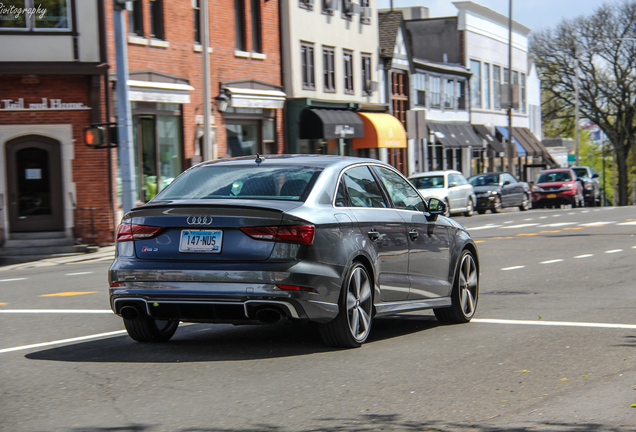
68 294
3 304
527 235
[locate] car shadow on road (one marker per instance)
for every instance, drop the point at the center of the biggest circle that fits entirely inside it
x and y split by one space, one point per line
386 422
204 342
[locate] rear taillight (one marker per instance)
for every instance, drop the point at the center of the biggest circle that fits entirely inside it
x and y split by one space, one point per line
300 234
296 288
128 232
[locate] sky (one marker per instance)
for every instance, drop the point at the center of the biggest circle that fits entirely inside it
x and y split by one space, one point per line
534 14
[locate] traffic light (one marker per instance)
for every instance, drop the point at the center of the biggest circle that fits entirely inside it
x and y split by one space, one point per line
94 136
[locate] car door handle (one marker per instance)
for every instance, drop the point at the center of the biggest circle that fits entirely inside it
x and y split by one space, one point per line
373 235
414 235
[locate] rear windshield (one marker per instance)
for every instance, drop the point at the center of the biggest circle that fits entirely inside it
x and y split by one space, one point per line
559 176
243 182
428 182
580 172
484 180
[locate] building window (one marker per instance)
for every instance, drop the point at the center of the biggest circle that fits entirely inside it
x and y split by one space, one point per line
461 95
515 86
486 85
348 71
136 18
419 83
449 94
436 92
257 45
196 6
56 15
239 25
366 74
307 4
328 64
307 57
475 84
523 93
328 6
156 19
496 86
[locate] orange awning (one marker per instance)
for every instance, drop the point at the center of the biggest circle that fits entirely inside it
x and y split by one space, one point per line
380 131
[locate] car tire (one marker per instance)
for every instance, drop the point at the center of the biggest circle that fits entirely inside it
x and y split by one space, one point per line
470 208
150 330
465 293
525 203
481 211
497 207
447 213
352 325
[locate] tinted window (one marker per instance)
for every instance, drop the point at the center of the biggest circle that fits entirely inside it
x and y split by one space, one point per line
363 190
341 196
558 176
243 182
580 172
401 192
484 180
428 182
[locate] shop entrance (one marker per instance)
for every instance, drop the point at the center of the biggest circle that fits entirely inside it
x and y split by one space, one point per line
34 179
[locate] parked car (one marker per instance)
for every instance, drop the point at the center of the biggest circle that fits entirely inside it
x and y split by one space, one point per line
591 185
555 187
334 240
448 186
498 190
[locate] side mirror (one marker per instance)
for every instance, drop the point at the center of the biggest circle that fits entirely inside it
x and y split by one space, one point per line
595 176
452 185
506 183
435 208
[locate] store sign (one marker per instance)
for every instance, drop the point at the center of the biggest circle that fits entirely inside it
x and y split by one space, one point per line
44 105
344 130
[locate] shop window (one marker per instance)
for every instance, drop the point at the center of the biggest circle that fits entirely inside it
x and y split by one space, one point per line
135 18
328 64
239 25
348 71
366 74
242 139
307 58
50 15
257 42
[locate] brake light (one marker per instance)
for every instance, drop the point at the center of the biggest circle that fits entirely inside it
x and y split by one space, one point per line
296 288
128 232
300 234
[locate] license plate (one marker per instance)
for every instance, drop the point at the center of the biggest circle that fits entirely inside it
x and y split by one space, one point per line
206 241
552 196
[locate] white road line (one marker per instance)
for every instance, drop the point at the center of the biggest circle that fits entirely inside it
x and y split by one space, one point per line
513 268
521 225
554 323
569 214
557 224
585 211
551 261
627 223
633 247
556 215
597 223
483 227
56 311
543 217
584 256
507 222
529 219
614 251
11 280
75 274
63 341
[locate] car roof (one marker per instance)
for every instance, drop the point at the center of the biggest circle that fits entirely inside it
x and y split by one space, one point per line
555 170
320 161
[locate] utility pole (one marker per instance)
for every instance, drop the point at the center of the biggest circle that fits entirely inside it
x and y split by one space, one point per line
207 98
124 116
510 147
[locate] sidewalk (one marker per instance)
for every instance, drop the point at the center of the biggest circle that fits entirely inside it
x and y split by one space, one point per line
106 253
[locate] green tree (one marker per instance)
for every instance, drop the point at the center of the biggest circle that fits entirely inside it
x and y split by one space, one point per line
604 44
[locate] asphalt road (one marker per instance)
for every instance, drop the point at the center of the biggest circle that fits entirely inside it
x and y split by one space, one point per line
552 348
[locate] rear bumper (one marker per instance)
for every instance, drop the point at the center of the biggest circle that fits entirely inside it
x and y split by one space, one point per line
485 203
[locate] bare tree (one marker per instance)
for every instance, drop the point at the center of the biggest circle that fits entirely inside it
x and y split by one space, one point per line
605 46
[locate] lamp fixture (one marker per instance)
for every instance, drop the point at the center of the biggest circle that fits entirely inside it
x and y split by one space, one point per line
222 102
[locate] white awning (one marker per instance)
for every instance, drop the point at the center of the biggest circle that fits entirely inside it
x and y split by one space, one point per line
253 98
149 91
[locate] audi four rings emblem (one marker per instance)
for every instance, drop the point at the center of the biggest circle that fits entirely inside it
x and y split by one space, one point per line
199 220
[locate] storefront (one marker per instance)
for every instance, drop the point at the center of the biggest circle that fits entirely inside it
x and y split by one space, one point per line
450 146
491 157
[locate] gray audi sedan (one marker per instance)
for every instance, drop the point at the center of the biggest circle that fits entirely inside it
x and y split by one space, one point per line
264 240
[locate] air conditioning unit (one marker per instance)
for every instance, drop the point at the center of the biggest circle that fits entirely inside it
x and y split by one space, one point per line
352 8
329 5
366 12
372 86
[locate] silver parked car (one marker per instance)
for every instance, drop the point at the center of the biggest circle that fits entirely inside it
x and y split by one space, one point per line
448 186
334 240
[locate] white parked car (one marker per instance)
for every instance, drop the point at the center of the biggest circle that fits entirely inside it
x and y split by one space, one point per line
448 186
